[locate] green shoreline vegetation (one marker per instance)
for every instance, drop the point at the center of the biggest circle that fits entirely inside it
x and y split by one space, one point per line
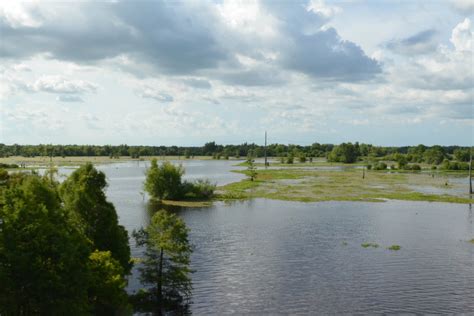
314 185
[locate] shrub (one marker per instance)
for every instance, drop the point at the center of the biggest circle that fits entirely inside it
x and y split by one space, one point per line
380 166
199 189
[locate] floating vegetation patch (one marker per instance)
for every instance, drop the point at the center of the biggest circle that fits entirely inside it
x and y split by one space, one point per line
370 245
472 241
394 247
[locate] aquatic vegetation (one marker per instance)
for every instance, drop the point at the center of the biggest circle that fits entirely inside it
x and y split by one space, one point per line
471 241
394 247
370 245
343 184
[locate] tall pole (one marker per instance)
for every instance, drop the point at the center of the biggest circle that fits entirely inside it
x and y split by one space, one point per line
265 150
470 170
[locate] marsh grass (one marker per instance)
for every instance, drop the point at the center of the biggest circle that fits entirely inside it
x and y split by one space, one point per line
394 247
370 245
342 185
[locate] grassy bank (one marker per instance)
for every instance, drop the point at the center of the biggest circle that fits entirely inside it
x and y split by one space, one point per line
308 185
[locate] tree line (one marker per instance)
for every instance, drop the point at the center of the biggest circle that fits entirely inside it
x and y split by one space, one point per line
417 153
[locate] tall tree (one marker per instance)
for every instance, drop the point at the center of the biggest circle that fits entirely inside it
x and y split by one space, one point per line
83 195
43 258
165 266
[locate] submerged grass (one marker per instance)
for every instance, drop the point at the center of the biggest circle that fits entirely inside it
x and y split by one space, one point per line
370 245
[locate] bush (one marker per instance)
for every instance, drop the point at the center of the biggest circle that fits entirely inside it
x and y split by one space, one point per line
289 159
164 181
8 166
200 189
454 165
369 167
414 167
380 166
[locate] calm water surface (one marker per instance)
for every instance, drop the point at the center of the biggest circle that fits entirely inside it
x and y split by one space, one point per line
268 257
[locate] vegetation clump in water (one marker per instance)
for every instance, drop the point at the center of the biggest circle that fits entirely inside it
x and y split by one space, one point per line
394 247
163 182
370 245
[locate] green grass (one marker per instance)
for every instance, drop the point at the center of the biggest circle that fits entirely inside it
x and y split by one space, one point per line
394 247
370 245
291 184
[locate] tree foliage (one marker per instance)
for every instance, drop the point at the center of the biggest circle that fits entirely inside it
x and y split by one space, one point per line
163 181
47 262
165 266
43 266
346 153
84 197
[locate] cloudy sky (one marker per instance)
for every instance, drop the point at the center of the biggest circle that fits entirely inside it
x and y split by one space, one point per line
187 72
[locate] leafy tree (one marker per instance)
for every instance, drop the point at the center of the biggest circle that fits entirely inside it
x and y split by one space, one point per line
434 155
43 258
164 181
83 195
461 155
251 169
165 266
106 284
346 153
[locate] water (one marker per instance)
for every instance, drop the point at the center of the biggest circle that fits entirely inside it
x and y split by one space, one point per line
276 257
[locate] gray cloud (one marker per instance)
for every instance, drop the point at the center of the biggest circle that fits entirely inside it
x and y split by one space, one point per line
420 43
189 38
197 83
69 98
151 93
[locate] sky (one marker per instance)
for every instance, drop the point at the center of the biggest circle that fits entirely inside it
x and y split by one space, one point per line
187 72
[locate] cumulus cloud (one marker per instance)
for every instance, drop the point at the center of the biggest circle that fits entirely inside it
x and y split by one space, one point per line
187 38
462 36
420 43
152 93
59 84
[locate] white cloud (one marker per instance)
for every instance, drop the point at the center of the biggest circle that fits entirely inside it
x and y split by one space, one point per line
59 84
462 36
152 93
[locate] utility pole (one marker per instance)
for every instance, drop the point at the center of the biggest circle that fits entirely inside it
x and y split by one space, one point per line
265 150
51 165
470 170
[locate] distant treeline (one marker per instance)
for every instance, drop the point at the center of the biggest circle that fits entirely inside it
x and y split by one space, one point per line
420 153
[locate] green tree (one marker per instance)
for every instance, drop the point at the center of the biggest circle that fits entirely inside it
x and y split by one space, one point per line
461 155
251 169
84 197
106 284
345 152
43 258
164 181
165 266
434 155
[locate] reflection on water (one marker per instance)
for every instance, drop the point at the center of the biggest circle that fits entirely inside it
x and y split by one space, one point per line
266 256
269 257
